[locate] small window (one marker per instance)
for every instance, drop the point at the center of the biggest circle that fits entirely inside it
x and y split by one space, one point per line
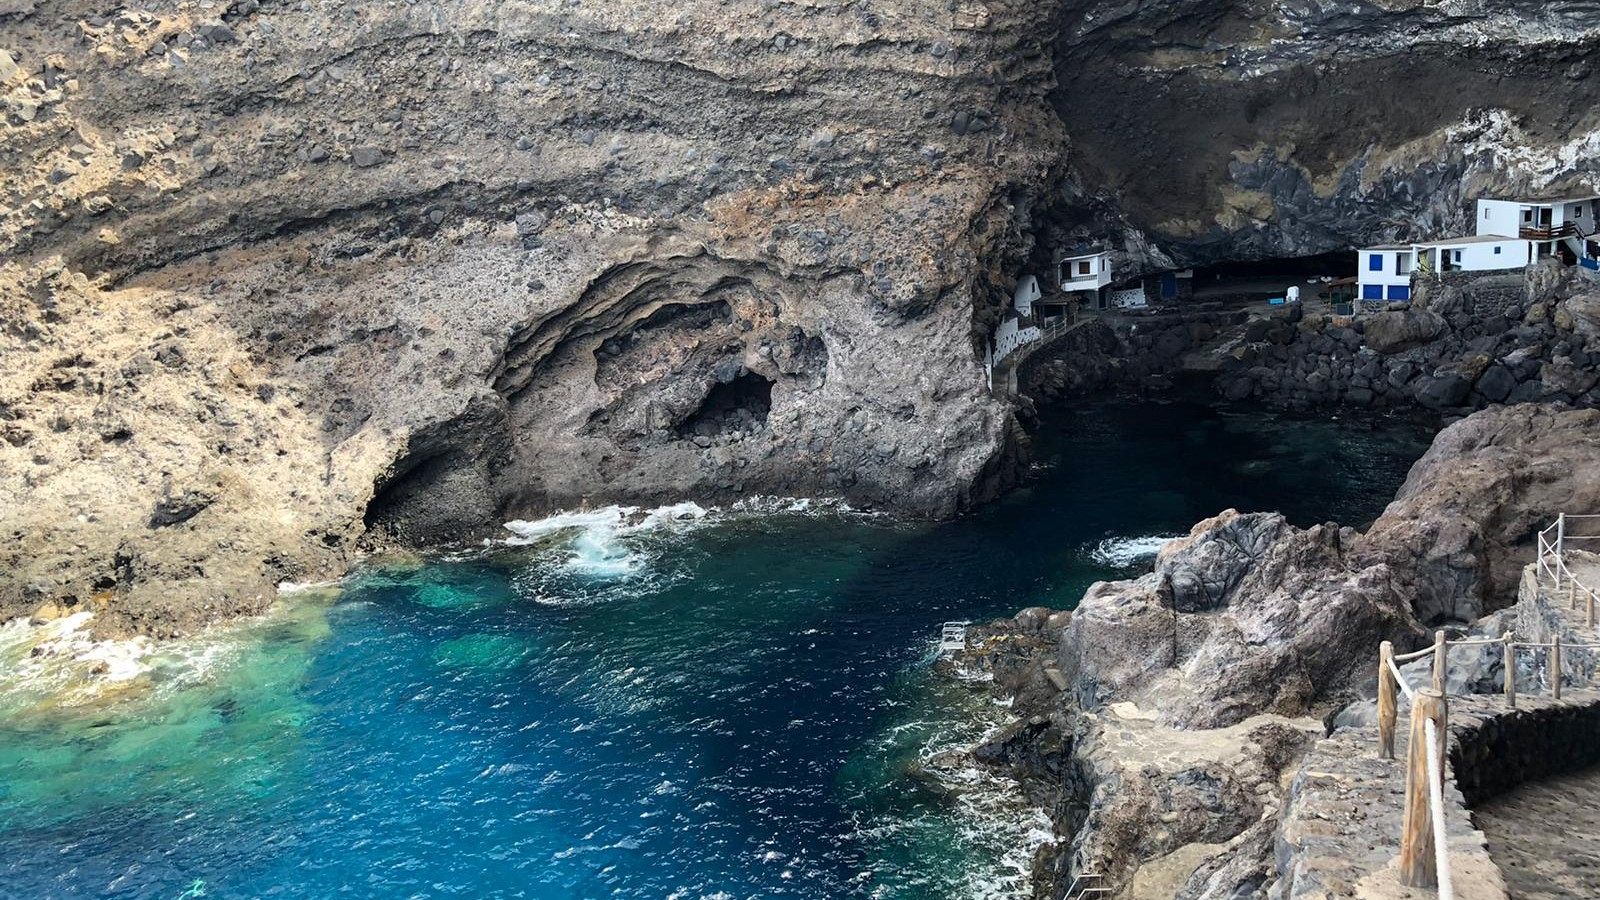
1372 292
1486 212
1085 267
1496 249
1375 262
1455 255
1527 215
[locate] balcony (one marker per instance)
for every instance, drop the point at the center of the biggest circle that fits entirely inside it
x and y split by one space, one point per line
1547 232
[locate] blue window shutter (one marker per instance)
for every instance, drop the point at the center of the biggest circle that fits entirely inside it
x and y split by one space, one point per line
1372 292
1375 262
1399 292
1496 249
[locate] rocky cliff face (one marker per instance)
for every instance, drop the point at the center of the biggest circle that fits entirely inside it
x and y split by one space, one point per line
276 274
1175 704
1258 129
279 273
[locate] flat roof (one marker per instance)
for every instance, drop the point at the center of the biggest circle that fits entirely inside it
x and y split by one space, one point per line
1472 239
1386 247
1086 255
1545 201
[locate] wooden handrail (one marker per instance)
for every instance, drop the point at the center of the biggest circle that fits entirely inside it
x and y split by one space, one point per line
1424 856
1424 862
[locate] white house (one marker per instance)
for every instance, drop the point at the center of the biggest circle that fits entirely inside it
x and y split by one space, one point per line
1564 226
1026 294
1481 253
1384 272
1083 278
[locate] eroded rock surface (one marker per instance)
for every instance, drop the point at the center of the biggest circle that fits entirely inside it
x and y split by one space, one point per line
275 275
279 274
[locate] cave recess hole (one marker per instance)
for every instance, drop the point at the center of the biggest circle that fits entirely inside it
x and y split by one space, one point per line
740 404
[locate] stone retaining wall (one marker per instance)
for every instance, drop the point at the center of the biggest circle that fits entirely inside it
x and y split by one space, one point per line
1341 826
1494 749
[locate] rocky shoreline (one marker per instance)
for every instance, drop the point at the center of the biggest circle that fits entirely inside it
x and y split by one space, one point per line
1161 721
1466 342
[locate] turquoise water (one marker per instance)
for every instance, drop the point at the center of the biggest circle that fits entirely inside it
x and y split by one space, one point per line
728 706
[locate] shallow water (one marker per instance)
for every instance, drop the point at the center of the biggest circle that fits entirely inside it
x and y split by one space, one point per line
724 706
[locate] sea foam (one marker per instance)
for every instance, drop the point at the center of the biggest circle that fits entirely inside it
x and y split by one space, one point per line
1120 553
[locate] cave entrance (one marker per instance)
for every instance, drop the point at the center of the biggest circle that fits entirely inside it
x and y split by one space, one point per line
1255 281
741 404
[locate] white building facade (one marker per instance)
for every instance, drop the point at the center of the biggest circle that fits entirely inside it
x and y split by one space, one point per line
1482 253
1086 272
1562 227
1026 294
1383 273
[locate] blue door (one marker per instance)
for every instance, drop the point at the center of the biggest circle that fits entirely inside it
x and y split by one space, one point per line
1399 292
1169 286
1372 292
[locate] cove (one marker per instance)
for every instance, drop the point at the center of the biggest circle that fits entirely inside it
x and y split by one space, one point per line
729 706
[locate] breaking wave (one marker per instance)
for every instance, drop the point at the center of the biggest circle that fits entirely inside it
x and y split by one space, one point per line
1125 552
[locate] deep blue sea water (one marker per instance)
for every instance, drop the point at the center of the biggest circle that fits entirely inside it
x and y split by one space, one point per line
724 707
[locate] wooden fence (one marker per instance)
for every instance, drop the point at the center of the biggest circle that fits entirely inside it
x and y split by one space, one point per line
1424 857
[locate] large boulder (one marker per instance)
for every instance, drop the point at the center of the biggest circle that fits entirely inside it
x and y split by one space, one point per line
1495 383
1392 332
1581 314
1245 615
1462 526
1444 390
1249 615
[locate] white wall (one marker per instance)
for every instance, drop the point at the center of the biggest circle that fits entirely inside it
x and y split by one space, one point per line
1502 217
1099 272
1026 293
1584 218
1514 254
1128 298
1010 335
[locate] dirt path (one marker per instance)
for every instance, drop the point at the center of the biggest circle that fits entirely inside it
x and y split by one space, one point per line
1545 836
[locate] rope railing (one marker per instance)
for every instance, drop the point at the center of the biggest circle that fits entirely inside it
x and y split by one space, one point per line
1552 563
1424 857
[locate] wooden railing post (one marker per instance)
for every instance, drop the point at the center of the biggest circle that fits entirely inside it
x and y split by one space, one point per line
1386 701
1589 616
1555 666
1572 594
1511 669
1417 866
1441 660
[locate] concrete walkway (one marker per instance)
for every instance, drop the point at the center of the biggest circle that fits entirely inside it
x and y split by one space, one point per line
1545 836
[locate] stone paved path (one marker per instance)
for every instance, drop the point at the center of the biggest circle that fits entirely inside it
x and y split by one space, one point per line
1586 569
1545 836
